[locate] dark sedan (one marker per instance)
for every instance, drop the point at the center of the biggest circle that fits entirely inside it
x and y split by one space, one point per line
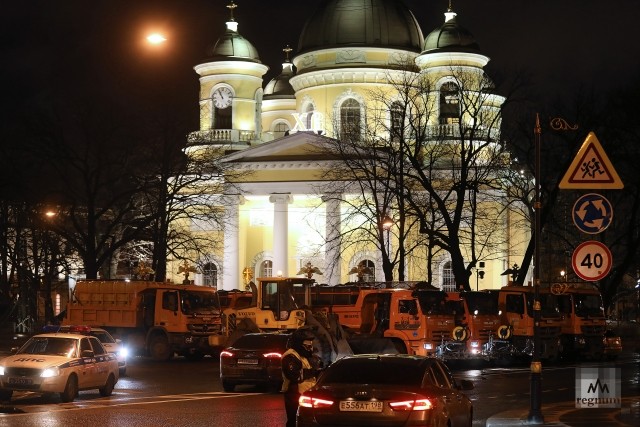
254 359
386 390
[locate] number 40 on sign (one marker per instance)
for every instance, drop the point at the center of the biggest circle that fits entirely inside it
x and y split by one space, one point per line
591 261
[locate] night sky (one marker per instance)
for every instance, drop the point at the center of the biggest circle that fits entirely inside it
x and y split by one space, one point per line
556 44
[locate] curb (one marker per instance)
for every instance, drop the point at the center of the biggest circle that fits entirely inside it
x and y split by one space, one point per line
519 417
627 415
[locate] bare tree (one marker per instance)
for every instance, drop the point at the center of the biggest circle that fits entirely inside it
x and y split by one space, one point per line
432 154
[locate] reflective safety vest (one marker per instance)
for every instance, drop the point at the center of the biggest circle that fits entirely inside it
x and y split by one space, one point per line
303 385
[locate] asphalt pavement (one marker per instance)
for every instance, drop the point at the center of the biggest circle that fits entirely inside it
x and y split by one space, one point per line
554 415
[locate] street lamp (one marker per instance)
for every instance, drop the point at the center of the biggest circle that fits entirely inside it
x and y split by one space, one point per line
387 223
156 38
535 410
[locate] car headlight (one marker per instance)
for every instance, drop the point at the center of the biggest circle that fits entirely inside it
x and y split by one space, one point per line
123 352
1 370
50 372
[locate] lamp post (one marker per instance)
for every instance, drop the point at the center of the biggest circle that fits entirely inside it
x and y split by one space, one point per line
535 412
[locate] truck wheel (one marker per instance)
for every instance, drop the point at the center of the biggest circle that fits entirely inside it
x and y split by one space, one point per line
159 348
71 389
5 395
108 386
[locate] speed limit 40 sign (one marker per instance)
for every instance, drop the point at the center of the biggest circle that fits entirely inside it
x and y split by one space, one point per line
591 261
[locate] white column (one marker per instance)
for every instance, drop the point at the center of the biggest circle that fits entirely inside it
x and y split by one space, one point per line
230 267
332 235
280 232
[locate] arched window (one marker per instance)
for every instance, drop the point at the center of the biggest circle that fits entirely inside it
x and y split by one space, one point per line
308 118
449 103
210 275
448 280
396 115
370 271
258 113
266 268
280 129
365 271
222 118
350 120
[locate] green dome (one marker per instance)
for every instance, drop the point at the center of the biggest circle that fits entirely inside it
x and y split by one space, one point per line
279 86
232 46
450 37
361 23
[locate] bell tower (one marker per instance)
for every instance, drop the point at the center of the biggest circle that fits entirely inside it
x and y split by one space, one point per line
230 93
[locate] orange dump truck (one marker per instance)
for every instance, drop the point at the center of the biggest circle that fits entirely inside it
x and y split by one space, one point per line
415 321
583 322
155 319
516 307
475 335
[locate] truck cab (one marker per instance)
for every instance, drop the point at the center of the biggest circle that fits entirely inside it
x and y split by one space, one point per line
516 305
477 323
279 304
583 322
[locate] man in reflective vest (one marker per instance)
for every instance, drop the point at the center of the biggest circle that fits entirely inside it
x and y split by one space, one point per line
300 367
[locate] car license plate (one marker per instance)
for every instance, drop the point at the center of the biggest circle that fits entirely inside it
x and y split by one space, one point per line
20 381
247 361
357 406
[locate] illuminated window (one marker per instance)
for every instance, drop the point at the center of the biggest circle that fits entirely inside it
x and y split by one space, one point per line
396 115
58 304
210 275
308 119
448 280
350 120
266 268
369 270
280 129
449 103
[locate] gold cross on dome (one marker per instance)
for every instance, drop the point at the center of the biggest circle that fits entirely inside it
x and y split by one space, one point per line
286 51
231 6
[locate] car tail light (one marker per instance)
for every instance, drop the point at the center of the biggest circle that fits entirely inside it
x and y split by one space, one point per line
226 353
411 405
273 355
314 402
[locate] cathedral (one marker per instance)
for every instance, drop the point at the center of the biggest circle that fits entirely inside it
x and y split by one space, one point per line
284 213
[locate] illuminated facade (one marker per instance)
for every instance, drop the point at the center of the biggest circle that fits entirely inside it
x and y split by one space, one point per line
277 217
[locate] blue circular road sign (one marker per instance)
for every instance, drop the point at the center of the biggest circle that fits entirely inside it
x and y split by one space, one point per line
592 213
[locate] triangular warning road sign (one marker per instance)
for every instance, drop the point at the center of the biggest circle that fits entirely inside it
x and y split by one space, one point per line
591 169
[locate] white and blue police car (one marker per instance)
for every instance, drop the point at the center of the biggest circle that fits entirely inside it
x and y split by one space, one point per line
63 363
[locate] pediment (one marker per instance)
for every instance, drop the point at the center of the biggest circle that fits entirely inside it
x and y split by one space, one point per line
300 146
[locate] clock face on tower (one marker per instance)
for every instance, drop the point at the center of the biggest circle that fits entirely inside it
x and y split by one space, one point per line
222 97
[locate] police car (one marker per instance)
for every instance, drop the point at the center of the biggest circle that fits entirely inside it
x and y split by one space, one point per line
62 363
109 343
